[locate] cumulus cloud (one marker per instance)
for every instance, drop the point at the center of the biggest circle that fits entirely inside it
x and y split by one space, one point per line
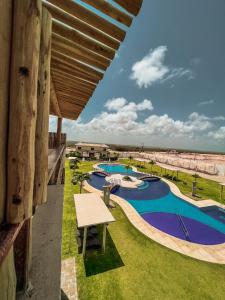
218 134
151 69
122 117
203 103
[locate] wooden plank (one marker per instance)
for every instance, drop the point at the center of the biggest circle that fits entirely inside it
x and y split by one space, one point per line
73 78
23 108
76 65
71 95
53 100
111 11
132 6
58 65
67 85
85 55
73 107
82 40
83 27
42 124
72 100
5 51
73 91
58 77
90 18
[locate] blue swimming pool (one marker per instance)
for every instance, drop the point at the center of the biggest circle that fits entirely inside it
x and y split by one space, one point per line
154 201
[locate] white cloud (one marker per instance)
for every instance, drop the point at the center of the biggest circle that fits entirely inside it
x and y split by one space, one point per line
115 103
203 103
218 134
151 69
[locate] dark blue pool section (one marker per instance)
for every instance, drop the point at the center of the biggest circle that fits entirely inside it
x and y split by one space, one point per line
185 228
152 190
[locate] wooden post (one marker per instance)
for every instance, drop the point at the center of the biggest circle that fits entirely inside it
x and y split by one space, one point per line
5 50
104 237
23 108
84 241
42 123
59 131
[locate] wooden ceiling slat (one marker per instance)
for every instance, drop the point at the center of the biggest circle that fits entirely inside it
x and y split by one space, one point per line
73 89
70 104
111 11
71 95
72 92
83 27
70 82
72 78
76 64
90 18
71 53
63 67
82 40
132 6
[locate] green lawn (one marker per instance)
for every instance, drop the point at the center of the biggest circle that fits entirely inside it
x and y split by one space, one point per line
135 267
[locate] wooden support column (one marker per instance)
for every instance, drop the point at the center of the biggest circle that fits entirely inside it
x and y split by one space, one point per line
23 108
59 131
42 123
5 50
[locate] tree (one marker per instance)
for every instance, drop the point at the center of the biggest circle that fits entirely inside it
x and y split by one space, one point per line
74 163
195 177
130 158
152 163
79 178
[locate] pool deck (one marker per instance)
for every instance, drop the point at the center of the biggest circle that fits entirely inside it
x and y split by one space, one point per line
208 253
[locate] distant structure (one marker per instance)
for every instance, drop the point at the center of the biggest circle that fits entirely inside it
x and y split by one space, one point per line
94 151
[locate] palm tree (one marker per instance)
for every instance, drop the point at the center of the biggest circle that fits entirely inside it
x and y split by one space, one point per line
127 167
79 178
152 163
195 177
130 158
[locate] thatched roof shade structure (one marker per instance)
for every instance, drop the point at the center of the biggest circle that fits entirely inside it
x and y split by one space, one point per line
83 46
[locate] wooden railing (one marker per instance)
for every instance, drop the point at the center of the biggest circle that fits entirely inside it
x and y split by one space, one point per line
53 140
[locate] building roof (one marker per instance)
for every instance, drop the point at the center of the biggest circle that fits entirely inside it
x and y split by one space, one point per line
83 46
91 145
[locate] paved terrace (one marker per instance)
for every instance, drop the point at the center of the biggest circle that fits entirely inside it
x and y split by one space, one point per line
46 244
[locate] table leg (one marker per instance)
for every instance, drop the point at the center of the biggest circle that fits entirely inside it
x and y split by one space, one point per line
84 241
104 237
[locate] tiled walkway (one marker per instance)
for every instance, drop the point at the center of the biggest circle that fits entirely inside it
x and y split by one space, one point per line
68 279
212 253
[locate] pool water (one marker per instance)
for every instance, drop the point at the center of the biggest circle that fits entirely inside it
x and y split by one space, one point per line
158 206
115 168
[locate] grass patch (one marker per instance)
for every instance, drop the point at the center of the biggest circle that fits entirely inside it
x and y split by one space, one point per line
135 267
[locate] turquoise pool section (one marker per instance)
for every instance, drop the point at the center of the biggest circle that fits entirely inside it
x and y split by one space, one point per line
115 168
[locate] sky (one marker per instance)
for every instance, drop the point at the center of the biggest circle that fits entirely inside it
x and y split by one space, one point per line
166 85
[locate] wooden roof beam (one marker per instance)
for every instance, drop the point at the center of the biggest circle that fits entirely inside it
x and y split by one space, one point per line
82 40
77 65
73 78
83 27
54 105
90 18
111 11
73 54
132 6
56 64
